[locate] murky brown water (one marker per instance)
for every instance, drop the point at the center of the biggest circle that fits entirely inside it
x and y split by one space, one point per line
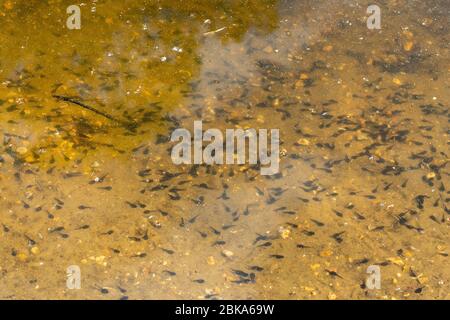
363 118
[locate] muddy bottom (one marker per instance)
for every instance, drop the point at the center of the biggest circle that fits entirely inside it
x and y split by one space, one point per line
89 191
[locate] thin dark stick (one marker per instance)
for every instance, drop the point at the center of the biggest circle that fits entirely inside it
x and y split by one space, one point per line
85 106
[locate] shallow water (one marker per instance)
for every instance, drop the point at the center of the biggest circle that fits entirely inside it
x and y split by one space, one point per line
363 118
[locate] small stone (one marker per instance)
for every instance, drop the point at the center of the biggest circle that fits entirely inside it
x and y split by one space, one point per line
8 5
304 76
22 150
397 81
422 279
100 259
397 261
284 232
260 119
228 253
314 266
211 261
268 49
95 164
303 142
332 296
35 250
326 253
360 136
299 84
408 46
328 48
22 257
276 102
29 159
427 22
431 175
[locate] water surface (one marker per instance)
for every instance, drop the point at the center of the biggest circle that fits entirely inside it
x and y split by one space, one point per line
363 119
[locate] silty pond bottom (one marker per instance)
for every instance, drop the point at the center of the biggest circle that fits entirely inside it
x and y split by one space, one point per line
86 177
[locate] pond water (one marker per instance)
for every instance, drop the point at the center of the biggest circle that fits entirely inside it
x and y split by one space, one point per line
87 180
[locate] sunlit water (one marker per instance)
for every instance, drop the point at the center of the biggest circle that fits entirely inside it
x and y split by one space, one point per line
363 118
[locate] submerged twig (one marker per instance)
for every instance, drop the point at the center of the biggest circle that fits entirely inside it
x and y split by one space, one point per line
214 31
127 125
85 106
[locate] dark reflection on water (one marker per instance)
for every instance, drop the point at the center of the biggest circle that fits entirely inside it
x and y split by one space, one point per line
133 62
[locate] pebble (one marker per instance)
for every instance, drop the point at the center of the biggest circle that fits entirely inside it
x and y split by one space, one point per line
408 46
22 257
326 253
397 81
211 261
284 232
22 150
303 142
268 49
431 175
228 253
